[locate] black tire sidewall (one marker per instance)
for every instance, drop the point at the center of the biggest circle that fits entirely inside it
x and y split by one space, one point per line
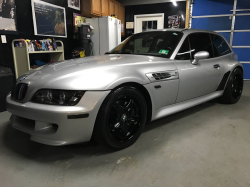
101 132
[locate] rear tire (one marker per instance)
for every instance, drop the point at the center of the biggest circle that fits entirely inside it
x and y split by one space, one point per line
234 87
121 118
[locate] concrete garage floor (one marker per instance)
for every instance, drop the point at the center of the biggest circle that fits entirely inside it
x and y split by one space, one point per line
208 145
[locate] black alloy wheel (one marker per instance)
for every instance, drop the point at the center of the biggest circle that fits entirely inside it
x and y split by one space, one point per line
237 86
234 87
121 118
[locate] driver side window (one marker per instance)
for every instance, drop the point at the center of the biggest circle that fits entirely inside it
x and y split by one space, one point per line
200 42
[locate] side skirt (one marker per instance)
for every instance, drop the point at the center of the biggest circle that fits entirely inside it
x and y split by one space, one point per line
168 110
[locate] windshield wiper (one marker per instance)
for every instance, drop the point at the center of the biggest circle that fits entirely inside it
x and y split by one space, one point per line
153 54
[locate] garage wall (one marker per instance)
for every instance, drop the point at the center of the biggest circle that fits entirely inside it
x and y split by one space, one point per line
220 16
167 8
26 30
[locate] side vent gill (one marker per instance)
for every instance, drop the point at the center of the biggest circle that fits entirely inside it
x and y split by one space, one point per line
162 76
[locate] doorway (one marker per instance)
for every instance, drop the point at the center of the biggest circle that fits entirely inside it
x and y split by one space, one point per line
147 22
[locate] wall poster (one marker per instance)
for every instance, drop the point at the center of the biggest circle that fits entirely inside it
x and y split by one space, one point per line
129 25
49 19
77 18
8 23
174 21
75 4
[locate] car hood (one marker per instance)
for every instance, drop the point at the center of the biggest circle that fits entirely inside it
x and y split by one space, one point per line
82 64
92 73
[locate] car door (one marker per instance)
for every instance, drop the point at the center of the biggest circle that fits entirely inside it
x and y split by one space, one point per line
201 79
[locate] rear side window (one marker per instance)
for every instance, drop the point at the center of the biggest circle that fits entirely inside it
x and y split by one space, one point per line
184 52
220 46
200 42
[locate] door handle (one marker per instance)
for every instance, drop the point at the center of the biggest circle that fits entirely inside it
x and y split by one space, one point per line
216 65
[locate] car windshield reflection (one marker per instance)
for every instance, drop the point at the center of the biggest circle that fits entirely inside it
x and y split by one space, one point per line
156 43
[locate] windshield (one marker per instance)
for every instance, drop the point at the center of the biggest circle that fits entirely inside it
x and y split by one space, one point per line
157 43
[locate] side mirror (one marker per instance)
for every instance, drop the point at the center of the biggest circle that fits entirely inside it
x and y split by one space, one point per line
199 56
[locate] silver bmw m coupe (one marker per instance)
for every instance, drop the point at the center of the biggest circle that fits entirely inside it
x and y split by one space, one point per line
110 98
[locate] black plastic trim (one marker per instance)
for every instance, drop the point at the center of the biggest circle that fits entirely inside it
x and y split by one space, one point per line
223 81
78 116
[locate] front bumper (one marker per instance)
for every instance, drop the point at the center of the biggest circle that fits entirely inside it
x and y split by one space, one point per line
51 125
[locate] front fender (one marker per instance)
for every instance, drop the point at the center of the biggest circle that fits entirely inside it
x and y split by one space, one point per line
127 80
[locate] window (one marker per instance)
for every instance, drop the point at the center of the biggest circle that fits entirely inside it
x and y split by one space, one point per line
184 52
200 42
220 46
149 25
157 43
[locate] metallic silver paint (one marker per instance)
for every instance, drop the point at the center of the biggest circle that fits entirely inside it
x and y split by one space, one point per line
164 96
168 110
200 56
69 130
191 85
197 80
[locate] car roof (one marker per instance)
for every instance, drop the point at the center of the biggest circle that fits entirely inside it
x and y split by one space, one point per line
186 31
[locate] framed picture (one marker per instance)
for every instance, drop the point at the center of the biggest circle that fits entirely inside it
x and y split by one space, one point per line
8 23
75 4
174 21
49 19
77 18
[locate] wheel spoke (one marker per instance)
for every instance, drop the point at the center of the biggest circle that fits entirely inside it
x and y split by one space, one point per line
115 126
239 90
119 109
134 118
125 130
129 105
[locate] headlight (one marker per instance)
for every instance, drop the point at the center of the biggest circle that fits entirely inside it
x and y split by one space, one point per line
57 97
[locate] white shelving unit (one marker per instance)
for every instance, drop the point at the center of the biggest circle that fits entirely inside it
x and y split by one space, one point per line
22 59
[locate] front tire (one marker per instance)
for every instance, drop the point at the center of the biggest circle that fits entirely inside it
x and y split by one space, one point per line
234 88
121 118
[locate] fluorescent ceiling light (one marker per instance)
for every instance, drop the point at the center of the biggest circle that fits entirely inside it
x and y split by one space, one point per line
174 2
182 16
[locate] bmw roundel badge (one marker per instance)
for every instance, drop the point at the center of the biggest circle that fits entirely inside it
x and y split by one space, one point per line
22 78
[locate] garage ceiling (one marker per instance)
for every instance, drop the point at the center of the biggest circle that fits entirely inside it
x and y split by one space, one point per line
139 2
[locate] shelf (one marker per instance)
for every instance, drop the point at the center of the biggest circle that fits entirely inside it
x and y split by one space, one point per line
34 52
21 55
